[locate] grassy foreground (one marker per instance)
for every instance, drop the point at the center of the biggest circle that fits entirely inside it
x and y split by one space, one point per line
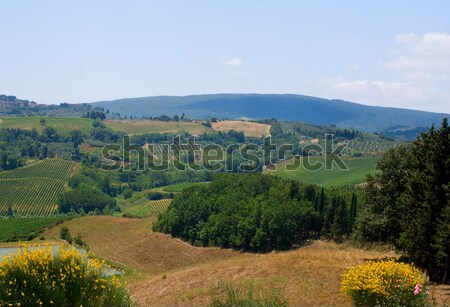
164 271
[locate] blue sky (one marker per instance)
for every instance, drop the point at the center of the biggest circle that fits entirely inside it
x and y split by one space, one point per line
387 53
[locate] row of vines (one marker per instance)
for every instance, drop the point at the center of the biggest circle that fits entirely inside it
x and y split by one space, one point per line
33 190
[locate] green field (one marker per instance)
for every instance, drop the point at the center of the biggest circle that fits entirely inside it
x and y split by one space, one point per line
358 169
179 187
33 190
148 126
63 125
16 229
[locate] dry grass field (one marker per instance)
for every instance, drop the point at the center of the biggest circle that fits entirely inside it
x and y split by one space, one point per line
168 272
250 129
132 244
148 126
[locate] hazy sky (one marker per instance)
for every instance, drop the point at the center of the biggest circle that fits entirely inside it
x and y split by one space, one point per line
387 53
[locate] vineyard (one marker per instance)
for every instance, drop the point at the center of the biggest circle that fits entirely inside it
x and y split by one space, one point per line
33 190
149 208
371 147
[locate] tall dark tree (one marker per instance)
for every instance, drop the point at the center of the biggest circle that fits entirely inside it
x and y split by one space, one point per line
340 226
353 209
426 202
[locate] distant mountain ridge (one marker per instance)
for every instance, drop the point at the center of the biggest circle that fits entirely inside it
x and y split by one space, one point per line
287 107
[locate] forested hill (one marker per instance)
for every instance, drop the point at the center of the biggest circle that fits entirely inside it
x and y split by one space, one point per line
282 107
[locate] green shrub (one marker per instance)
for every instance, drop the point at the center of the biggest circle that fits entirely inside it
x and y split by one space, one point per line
65 234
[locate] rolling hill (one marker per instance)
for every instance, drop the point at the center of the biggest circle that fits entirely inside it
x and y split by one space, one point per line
282 107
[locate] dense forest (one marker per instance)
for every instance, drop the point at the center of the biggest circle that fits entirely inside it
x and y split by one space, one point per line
258 212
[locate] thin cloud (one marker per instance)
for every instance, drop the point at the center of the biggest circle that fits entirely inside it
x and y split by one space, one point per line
416 76
234 62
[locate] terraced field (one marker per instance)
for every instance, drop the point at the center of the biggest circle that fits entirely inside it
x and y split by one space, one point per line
146 208
33 190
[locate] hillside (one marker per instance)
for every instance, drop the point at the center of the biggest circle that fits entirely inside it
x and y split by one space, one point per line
34 189
359 168
168 272
13 106
282 107
164 271
63 125
156 126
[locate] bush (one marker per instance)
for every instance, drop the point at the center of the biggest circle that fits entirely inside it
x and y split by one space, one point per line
127 193
384 283
227 295
86 198
155 195
65 234
62 278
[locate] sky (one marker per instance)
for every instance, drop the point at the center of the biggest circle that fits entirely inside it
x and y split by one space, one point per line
383 53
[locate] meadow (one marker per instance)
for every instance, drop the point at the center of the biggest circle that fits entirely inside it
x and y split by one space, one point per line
63 125
358 168
33 190
148 126
179 187
165 271
250 129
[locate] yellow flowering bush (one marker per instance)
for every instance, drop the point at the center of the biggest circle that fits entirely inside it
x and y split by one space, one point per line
384 283
62 277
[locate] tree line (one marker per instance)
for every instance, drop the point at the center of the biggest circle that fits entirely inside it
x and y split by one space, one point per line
258 212
408 203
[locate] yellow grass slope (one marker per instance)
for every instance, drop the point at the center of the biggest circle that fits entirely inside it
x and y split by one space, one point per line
149 126
132 243
250 129
168 272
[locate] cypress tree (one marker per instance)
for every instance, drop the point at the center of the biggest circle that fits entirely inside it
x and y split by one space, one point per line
340 226
352 211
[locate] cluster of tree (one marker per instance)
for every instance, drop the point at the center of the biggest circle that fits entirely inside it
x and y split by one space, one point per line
85 200
223 137
403 133
102 133
346 133
319 131
166 118
159 195
96 114
8 98
17 145
22 107
408 202
257 212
